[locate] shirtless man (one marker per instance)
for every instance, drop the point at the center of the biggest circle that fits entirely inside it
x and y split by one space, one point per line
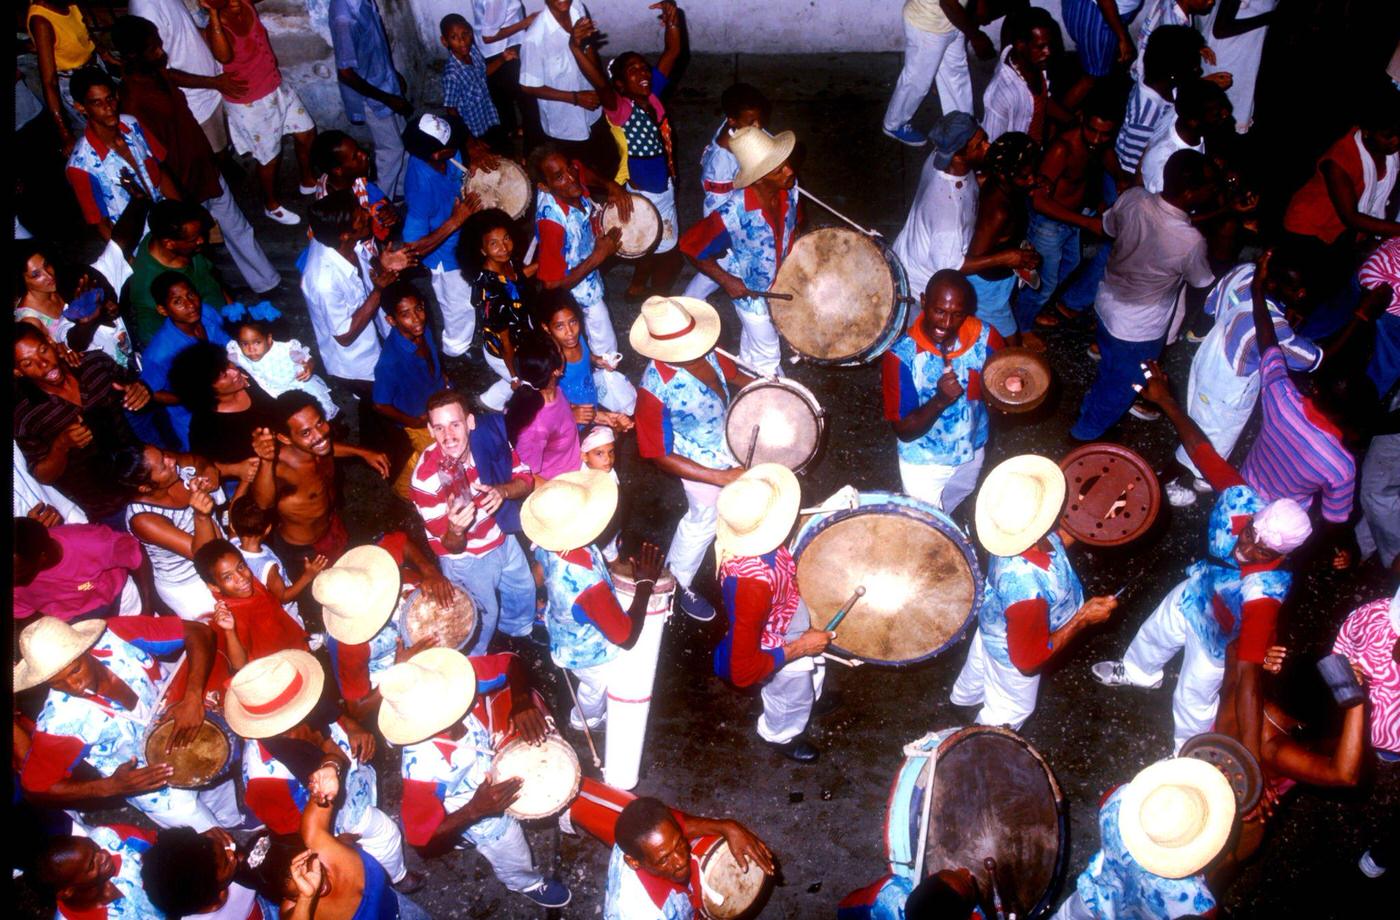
995 255
296 476
1073 164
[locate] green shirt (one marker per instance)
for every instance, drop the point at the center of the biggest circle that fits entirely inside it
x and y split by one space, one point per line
145 269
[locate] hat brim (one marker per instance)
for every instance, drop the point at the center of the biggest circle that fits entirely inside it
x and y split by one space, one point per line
773 531
783 144
357 624
585 525
289 714
89 631
694 344
422 723
1192 857
1001 542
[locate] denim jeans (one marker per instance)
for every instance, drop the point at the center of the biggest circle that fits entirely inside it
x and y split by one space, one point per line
1058 245
1084 285
1112 391
504 571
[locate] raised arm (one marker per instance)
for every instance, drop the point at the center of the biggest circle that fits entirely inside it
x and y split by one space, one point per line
586 56
1157 390
674 34
216 37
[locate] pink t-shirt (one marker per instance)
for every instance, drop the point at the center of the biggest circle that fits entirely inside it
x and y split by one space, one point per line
94 568
253 60
549 444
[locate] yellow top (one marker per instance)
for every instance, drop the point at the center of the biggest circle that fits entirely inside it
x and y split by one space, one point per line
73 46
926 15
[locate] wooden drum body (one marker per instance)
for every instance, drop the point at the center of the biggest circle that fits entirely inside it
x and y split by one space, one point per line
205 761
419 618
726 891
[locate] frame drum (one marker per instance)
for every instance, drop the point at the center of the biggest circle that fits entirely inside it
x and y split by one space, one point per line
640 233
780 419
550 772
454 626
202 762
505 187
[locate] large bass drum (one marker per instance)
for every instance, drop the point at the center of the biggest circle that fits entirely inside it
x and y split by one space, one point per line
850 297
920 574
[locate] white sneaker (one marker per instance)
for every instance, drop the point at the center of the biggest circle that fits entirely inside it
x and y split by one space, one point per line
1201 486
1180 496
283 216
1113 674
306 189
1369 867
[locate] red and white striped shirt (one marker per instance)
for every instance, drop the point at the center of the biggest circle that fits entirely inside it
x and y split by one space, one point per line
1383 267
435 482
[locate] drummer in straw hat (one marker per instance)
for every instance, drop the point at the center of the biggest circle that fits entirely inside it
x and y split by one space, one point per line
770 639
106 686
1157 836
276 703
448 712
1033 604
681 407
742 242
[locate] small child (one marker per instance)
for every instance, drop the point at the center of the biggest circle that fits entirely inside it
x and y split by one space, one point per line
250 620
599 451
251 525
464 89
97 322
276 366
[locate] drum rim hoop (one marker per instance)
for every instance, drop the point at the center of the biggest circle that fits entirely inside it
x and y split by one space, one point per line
554 740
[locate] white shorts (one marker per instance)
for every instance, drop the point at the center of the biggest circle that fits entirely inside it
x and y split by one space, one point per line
665 202
258 127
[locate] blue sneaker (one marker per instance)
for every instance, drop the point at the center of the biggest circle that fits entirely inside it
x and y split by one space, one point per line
550 893
693 605
907 135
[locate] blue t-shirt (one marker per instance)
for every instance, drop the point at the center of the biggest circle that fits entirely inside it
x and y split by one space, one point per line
430 196
577 383
401 379
159 355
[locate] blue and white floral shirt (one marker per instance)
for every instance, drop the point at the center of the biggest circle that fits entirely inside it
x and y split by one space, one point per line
1031 575
95 170
448 772
579 242
633 895
677 414
750 246
909 374
127 846
584 619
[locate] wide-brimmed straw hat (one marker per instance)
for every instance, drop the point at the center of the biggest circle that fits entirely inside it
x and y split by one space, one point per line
358 593
759 152
1018 504
1176 815
675 329
425 694
274 693
48 645
570 510
756 511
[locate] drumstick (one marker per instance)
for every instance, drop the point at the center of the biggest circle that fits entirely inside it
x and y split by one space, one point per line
845 609
839 660
746 368
753 446
769 295
457 163
815 200
592 749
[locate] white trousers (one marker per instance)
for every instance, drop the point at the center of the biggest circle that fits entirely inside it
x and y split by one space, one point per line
200 809
389 158
944 487
1218 401
789 695
496 395
701 286
759 343
598 326
454 297
592 692
1007 696
929 56
510 858
1197 694
242 245
381 838
695 532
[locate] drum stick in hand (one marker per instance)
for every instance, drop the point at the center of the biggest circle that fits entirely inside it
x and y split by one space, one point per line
845 609
767 295
753 446
592 748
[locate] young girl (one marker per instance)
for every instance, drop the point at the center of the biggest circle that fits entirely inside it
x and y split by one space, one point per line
598 393
499 295
539 419
251 525
251 621
599 452
276 366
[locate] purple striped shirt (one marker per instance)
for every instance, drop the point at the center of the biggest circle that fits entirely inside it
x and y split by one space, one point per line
1298 453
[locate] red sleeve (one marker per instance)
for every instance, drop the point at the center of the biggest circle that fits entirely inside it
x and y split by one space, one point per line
651 426
422 812
727 367
891 369
702 234
551 251
994 341
51 759
1257 631
82 183
974 385
1215 468
749 600
599 606
393 542
270 800
1028 634
351 669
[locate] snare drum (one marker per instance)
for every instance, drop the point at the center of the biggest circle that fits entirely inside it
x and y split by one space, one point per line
454 626
778 420
920 573
640 233
550 774
505 187
850 297
725 890
205 761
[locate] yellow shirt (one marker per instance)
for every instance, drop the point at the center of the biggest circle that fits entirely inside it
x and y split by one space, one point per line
73 46
926 15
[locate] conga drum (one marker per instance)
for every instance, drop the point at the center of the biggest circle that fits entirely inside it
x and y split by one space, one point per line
205 761
549 772
993 796
506 187
726 891
453 626
775 421
629 690
850 297
640 232
920 573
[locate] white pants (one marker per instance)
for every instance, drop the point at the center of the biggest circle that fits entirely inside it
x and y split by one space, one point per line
929 56
243 247
389 158
1007 696
510 858
1218 401
496 395
759 343
454 297
701 286
380 837
130 605
598 326
944 487
695 532
789 695
200 809
1197 694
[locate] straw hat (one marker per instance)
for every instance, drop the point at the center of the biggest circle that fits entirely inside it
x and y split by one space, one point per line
675 329
424 695
272 694
48 645
756 511
759 152
570 510
358 593
1018 504
1176 815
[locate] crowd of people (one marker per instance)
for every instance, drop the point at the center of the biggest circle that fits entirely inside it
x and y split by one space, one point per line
180 558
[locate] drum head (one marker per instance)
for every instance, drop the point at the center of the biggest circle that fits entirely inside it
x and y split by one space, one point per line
920 576
550 772
740 888
780 421
1112 496
843 295
640 233
197 763
1016 379
995 796
453 626
1234 760
505 187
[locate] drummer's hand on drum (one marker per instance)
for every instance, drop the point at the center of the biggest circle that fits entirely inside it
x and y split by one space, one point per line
188 716
810 643
129 779
608 244
494 797
403 653
1099 609
745 845
530 723
619 198
649 565
480 156
324 784
949 387
438 588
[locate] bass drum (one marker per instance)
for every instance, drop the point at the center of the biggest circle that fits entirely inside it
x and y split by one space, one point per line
850 297
920 573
